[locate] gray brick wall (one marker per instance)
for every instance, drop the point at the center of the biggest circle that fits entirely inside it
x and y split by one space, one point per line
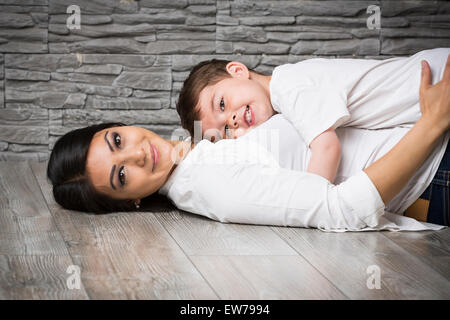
130 57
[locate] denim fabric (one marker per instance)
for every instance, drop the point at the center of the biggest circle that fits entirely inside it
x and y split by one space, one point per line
438 193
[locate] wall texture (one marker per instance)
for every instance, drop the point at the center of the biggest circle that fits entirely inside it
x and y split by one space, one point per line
129 59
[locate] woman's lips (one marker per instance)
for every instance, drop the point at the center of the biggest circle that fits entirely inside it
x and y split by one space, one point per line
155 156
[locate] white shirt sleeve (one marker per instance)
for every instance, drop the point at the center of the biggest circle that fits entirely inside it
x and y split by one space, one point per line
312 109
254 191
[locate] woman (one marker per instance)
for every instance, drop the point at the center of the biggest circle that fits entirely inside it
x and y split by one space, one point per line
113 167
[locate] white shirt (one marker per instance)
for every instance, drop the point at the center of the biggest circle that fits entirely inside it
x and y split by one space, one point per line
243 181
317 94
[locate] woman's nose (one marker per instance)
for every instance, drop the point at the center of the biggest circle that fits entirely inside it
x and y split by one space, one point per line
136 156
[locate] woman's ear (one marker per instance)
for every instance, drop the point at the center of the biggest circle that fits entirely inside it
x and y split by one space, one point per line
237 70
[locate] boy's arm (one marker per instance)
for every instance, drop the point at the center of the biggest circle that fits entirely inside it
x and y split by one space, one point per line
325 155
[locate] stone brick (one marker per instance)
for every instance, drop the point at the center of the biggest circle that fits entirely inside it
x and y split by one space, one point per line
163 3
17 74
28 34
23 114
113 69
241 33
75 117
3 146
104 90
260 48
25 2
296 8
111 45
101 7
148 38
98 102
395 8
145 80
205 10
75 100
57 86
266 21
84 77
121 59
411 46
174 47
23 46
24 9
33 156
186 63
176 17
15 21
86 19
24 134
176 35
200 21
415 33
358 47
434 21
47 62
294 37
13 147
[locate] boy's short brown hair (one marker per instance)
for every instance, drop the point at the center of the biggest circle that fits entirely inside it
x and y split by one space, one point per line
204 74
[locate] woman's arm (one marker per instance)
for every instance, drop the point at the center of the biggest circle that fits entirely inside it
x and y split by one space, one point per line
390 173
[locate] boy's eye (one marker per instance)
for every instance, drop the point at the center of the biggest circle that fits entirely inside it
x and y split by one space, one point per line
117 139
222 104
227 132
122 176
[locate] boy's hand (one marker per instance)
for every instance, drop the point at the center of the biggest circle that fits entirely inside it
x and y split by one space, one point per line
325 155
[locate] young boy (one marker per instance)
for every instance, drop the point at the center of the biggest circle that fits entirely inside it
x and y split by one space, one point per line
316 95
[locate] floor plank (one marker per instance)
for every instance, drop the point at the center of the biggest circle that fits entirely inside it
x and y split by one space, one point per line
265 277
37 277
33 256
199 235
344 259
126 255
430 247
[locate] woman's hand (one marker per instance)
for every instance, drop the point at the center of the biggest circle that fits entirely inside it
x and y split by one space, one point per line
391 172
435 99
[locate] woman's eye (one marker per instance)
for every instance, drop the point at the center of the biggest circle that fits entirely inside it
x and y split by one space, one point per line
117 139
222 104
122 176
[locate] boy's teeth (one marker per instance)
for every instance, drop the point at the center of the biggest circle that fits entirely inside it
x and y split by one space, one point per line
248 116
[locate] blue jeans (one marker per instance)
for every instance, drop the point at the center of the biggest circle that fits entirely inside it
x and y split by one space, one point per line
438 193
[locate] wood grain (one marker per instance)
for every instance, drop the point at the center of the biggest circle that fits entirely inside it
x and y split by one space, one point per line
126 255
344 258
33 256
198 235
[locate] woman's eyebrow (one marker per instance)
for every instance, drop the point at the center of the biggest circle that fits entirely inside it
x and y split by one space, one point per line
106 139
111 175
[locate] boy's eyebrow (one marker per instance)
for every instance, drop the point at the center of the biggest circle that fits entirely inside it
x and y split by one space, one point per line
212 102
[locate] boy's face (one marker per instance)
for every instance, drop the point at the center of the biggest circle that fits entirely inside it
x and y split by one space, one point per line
234 105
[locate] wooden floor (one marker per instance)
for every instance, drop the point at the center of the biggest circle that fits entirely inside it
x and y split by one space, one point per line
175 255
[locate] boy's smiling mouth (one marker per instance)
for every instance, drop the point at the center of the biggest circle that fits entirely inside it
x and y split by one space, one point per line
249 117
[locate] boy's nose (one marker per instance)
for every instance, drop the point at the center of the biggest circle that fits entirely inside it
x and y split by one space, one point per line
232 121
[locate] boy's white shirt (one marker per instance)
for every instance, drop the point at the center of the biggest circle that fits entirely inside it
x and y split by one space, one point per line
317 94
260 178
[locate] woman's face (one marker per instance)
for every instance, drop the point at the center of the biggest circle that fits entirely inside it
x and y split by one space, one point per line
128 162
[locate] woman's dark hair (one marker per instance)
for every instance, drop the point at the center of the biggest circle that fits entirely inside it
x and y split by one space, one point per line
72 188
